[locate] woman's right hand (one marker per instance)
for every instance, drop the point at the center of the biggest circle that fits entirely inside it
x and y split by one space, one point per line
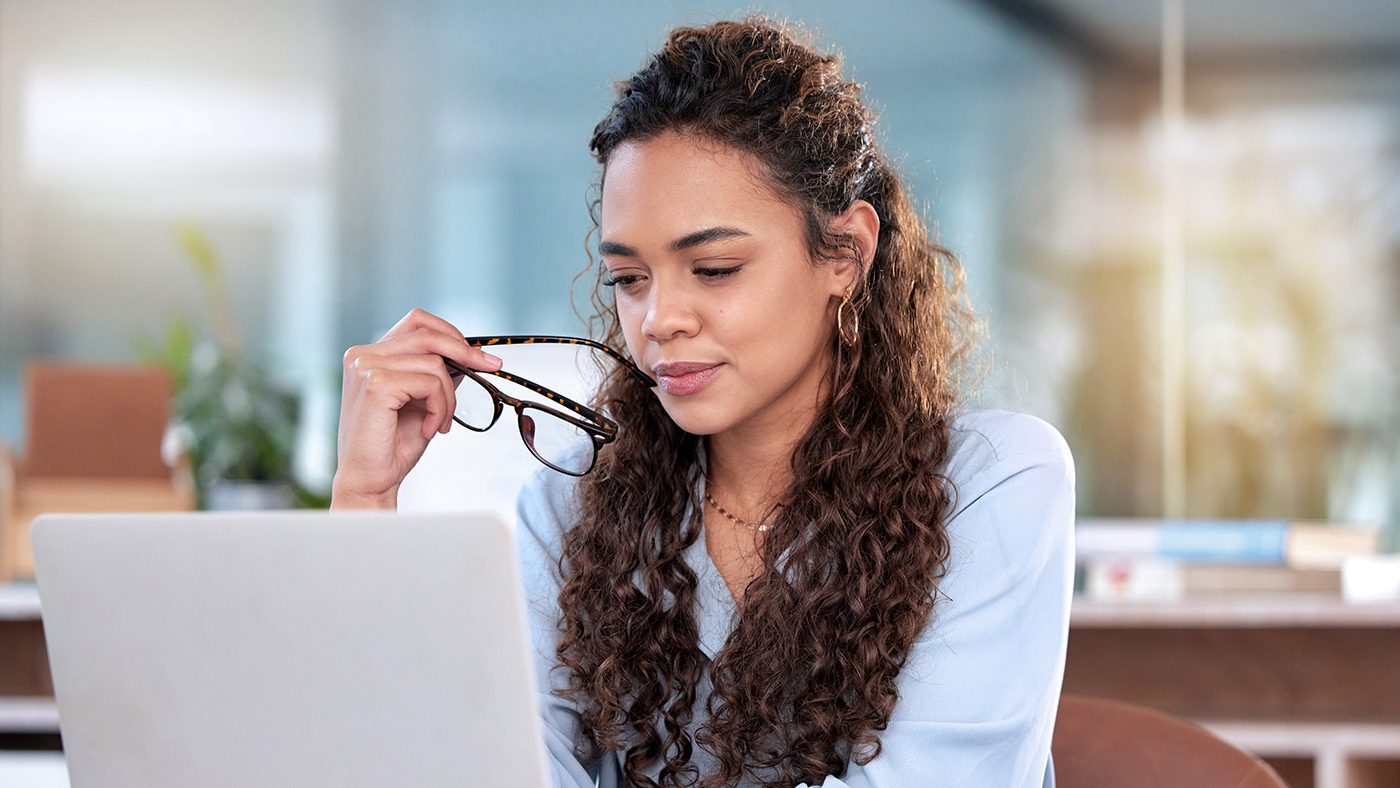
396 396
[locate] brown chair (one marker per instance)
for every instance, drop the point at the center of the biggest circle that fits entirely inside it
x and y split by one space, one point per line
1101 743
93 436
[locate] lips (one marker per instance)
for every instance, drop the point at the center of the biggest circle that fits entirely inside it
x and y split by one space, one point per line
680 378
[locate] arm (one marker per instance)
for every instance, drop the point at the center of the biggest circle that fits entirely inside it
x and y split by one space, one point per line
979 693
543 513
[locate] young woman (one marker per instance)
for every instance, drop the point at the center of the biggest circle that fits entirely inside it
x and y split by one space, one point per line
800 561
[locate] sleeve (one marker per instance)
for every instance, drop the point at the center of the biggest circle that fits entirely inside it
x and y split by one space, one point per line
979 693
542 510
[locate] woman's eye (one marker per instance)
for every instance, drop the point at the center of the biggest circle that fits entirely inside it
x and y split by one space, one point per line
625 280
717 273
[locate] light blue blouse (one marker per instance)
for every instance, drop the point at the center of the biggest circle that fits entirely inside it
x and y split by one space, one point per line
978 694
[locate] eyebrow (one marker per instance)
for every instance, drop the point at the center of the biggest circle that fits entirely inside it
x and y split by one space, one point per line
696 238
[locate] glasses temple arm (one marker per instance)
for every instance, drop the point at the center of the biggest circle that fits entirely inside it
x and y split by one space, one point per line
548 339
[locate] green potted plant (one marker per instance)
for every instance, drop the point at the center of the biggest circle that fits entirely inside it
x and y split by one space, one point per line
236 424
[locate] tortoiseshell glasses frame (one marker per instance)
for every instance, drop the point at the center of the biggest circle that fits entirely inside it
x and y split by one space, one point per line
601 429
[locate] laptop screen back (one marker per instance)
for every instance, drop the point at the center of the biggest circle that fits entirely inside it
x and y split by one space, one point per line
288 649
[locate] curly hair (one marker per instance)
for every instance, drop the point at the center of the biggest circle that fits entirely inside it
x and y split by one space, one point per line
865 516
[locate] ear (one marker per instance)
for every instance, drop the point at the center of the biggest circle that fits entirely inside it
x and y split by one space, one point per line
862 223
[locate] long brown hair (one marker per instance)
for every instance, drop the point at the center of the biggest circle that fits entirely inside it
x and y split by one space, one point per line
807 677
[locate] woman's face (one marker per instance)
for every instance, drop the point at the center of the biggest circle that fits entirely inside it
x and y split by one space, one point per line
715 291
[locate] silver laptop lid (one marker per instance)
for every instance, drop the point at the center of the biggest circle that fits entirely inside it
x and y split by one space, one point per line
288 649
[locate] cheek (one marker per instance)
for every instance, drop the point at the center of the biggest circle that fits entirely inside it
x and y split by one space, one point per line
629 317
787 314
773 333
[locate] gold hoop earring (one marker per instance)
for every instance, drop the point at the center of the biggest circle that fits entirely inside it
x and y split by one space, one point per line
854 337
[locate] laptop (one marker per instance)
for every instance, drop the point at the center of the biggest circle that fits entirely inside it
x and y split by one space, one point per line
348 649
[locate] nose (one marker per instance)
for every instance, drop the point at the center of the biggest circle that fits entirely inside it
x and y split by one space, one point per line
669 313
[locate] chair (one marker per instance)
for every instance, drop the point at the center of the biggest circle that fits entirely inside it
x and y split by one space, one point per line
1099 743
93 435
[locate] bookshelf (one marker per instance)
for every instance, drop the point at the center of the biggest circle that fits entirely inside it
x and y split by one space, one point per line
1306 681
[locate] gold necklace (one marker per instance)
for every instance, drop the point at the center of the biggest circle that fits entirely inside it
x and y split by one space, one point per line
760 527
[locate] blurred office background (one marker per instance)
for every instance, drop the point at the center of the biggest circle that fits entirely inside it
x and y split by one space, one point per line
1202 293
351 160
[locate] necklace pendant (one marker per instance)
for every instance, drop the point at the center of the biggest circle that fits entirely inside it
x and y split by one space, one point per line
759 527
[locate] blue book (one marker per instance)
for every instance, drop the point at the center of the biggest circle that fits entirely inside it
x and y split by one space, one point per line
1225 541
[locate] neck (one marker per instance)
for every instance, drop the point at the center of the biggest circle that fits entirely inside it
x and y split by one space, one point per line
750 464
749 472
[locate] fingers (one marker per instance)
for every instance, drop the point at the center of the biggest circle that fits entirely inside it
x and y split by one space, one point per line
420 322
430 339
427 343
427 389
421 318
393 370
394 381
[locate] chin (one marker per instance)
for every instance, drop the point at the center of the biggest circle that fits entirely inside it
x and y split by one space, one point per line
696 417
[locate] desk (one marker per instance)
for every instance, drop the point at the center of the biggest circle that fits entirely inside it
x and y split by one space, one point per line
27 708
1307 682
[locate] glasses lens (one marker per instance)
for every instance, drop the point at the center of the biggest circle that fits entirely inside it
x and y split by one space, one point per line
571 370
475 407
558 442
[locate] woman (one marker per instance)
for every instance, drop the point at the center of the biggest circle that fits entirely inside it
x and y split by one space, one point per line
801 562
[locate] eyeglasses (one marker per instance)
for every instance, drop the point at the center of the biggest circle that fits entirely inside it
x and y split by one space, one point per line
565 440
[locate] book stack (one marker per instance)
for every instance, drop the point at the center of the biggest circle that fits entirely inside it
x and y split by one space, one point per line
1168 560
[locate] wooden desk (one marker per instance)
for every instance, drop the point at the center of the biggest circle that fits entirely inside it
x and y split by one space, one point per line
28 714
1307 682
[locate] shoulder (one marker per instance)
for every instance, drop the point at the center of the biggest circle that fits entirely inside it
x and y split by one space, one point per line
987 446
1011 531
982 438
1013 487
